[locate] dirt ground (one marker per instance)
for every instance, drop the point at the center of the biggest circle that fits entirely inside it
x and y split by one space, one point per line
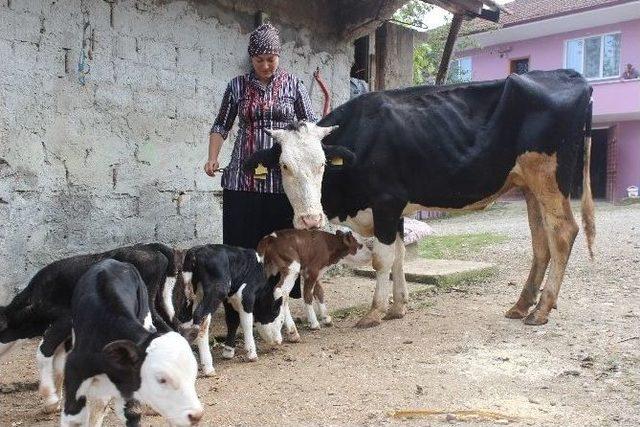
453 351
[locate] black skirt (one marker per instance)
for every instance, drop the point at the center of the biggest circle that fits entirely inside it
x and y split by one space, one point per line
249 216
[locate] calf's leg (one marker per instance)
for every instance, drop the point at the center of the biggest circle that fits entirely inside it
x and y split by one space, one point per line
233 321
321 308
289 276
204 350
309 284
54 338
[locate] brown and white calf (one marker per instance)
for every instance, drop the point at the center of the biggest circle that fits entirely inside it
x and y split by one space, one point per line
305 253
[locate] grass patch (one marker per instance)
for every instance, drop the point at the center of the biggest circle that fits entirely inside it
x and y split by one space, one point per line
456 245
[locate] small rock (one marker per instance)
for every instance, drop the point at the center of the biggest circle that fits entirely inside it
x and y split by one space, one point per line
502 359
451 418
407 342
532 400
502 421
288 358
419 389
570 372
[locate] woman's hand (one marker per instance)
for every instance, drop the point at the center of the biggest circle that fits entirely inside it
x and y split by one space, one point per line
211 166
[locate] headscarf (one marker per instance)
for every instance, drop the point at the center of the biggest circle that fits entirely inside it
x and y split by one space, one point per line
264 40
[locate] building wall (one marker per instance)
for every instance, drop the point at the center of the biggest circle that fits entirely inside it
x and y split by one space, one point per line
547 53
105 109
627 157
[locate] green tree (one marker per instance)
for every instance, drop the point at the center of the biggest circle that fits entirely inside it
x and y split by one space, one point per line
427 56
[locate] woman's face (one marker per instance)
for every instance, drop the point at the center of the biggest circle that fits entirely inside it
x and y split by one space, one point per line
265 65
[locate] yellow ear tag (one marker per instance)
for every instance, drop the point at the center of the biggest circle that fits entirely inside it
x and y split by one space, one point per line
260 172
337 161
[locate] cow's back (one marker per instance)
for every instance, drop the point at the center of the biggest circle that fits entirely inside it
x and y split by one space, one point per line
454 145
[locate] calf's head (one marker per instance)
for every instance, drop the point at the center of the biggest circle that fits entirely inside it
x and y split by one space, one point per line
163 376
268 313
350 244
301 156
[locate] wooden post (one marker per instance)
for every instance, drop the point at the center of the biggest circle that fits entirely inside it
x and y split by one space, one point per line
448 47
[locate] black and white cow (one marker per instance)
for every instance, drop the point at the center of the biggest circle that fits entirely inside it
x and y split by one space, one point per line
43 308
390 153
118 355
235 277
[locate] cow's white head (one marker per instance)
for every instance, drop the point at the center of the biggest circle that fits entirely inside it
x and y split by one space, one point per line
166 372
301 156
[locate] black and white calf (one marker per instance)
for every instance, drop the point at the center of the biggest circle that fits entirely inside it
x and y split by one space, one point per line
235 277
43 307
118 355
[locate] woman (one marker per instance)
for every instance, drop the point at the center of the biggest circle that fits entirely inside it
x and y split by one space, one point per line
266 98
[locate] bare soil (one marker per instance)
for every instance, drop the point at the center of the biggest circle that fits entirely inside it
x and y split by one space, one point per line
454 351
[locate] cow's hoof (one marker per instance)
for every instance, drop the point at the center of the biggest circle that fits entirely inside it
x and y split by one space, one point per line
516 312
251 357
292 337
208 371
327 321
396 312
228 352
314 326
536 318
371 319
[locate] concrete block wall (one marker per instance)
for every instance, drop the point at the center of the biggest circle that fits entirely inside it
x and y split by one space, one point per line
105 108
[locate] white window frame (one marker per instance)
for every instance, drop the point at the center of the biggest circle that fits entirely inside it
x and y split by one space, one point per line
583 38
470 58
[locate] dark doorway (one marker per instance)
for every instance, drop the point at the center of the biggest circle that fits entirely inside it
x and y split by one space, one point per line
360 69
598 171
520 66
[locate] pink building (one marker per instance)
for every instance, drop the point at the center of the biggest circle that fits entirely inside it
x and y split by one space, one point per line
595 37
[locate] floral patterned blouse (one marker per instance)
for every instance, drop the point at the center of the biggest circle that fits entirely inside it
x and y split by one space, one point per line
259 107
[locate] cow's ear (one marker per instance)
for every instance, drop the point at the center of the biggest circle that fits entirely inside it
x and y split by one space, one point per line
269 158
276 134
338 156
323 131
122 353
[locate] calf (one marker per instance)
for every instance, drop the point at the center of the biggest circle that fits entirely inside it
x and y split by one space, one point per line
235 277
307 252
43 307
118 355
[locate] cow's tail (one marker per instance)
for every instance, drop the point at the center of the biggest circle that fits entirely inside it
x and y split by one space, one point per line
588 208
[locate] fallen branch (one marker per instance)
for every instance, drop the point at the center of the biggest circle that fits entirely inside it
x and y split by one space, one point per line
629 339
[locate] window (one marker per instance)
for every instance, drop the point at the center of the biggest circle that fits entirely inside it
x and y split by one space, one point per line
520 66
460 70
595 57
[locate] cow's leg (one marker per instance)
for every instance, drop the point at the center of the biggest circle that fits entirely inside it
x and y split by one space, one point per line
318 295
233 321
309 284
288 278
54 337
541 255
382 262
386 216
204 350
400 292
561 230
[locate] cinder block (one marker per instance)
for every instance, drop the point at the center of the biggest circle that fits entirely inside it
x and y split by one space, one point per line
19 26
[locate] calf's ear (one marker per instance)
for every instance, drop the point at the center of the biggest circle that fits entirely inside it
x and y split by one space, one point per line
122 353
269 158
